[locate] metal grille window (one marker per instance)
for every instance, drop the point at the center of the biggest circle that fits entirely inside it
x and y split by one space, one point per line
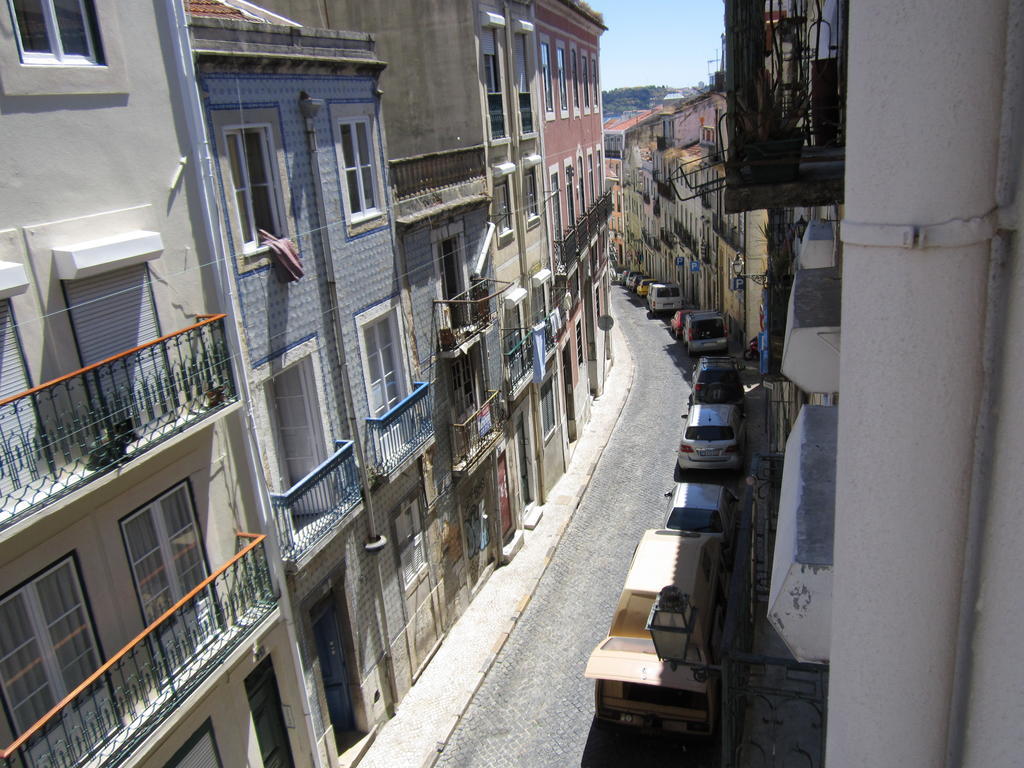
57 32
492 78
360 168
563 92
47 643
531 193
545 63
502 209
547 407
579 342
586 83
253 182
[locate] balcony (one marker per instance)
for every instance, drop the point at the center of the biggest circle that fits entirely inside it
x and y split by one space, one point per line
578 236
429 173
526 113
399 434
786 104
810 357
496 111
461 319
476 436
311 508
57 437
122 703
518 359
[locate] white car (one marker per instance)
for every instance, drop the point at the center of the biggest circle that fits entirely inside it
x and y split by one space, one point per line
664 297
713 438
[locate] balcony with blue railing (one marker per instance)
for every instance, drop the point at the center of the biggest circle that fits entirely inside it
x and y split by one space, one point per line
308 511
518 358
398 435
120 705
57 437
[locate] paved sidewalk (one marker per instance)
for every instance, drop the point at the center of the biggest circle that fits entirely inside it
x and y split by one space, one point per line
430 711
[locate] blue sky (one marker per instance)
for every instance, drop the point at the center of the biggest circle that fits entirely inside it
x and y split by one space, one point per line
658 42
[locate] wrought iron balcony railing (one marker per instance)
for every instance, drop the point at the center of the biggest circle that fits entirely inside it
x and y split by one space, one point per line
415 175
526 113
496 110
568 249
398 434
518 357
58 436
311 508
476 435
123 702
465 316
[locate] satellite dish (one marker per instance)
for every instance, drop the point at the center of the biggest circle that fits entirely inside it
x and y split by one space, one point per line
605 322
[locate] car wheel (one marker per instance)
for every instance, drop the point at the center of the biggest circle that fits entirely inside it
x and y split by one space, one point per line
677 473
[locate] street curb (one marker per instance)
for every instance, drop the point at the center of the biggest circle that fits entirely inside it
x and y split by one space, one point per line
434 756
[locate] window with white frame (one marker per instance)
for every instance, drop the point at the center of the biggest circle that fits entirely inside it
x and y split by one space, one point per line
563 91
586 82
575 81
62 32
164 550
523 85
590 175
530 184
547 407
502 208
570 203
556 208
385 372
47 643
593 75
254 183
410 541
545 63
492 80
360 167
296 416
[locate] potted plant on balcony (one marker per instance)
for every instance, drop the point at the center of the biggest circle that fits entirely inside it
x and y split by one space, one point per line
770 133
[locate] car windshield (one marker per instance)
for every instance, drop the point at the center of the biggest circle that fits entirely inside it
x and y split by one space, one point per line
712 328
709 432
714 375
720 392
668 290
696 520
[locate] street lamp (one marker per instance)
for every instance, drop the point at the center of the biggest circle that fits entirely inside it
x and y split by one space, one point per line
671 623
738 265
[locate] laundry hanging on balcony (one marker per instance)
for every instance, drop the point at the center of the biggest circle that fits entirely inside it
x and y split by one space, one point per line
286 256
539 352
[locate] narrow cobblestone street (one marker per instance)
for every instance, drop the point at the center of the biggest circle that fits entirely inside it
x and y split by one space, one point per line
535 708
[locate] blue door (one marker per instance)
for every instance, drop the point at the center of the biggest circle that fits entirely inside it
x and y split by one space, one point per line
333 670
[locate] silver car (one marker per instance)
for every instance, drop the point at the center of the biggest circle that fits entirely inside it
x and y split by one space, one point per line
701 508
713 438
705 332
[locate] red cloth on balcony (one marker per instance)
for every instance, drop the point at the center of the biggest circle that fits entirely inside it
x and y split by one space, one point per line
286 256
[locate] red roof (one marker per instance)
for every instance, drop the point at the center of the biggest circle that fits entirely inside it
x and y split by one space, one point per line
213 8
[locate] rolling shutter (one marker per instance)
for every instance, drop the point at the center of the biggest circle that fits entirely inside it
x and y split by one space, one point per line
111 313
487 46
521 64
13 378
202 754
18 431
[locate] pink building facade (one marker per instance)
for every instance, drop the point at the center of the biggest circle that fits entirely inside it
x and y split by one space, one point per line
577 202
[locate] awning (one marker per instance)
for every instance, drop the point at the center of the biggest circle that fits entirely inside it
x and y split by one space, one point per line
503 169
539 278
643 668
800 596
810 357
530 160
515 296
94 257
13 280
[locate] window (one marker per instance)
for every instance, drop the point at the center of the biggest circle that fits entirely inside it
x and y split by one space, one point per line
562 90
492 78
250 155
590 175
463 389
296 410
384 364
531 193
579 342
47 643
547 407
360 168
556 208
57 32
593 75
164 551
586 83
545 63
579 184
452 272
575 82
523 86
410 541
569 196
502 209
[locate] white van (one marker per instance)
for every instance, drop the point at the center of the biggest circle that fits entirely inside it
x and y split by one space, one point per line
664 297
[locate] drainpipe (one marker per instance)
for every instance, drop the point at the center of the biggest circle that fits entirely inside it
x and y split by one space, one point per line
376 541
187 82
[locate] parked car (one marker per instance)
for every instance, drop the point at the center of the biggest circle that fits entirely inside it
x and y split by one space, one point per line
633 279
678 320
702 508
705 332
712 439
618 276
662 297
716 381
643 286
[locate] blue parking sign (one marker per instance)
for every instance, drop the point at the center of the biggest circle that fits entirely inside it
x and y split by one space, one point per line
680 261
694 266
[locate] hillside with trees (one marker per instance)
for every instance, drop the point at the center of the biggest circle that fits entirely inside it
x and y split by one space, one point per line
620 100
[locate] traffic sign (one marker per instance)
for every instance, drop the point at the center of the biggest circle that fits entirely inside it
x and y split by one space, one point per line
694 265
680 261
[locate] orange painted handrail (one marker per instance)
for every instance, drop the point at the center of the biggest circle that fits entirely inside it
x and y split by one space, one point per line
40 387
257 539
